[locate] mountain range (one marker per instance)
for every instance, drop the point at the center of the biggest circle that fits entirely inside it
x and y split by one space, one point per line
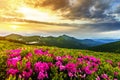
63 41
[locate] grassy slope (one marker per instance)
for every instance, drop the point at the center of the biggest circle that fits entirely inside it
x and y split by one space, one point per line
6 45
110 47
61 41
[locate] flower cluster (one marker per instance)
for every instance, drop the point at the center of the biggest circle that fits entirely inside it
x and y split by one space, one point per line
12 64
41 68
36 65
12 60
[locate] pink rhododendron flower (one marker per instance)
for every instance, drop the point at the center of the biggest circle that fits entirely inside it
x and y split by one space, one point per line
104 76
93 59
29 55
41 67
109 61
119 64
80 59
42 75
67 57
14 53
50 64
58 58
12 62
70 74
62 67
58 63
27 74
115 73
12 71
82 76
40 52
88 71
98 78
71 67
28 65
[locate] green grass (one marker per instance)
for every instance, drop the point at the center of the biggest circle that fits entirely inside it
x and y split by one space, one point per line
7 45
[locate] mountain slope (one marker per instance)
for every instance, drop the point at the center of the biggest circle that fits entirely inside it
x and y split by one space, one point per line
110 47
14 36
49 56
106 40
90 42
63 41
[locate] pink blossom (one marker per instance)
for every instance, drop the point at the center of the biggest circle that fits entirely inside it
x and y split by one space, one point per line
14 53
119 64
71 67
93 59
12 71
58 58
58 63
41 67
40 52
70 74
67 57
12 62
115 73
83 76
104 76
29 55
41 76
50 64
28 65
27 74
87 70
109 61
98 78
80 59
62 67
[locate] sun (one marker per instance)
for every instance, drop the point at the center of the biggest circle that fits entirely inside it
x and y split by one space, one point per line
14 27
37 15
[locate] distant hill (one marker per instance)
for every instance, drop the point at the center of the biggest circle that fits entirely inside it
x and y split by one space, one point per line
90 42
14 36
110 47
63 41
106 40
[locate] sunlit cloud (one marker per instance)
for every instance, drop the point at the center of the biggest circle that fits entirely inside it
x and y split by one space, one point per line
37 15
14 27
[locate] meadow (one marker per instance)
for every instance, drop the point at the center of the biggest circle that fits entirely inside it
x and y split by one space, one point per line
29 62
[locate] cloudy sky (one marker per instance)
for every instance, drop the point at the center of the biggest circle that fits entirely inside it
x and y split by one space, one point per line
77 18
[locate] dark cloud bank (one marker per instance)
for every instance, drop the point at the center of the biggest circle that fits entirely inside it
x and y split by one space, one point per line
76 9
97 10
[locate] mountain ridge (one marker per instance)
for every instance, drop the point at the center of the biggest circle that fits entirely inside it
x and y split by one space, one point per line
63 41
109 47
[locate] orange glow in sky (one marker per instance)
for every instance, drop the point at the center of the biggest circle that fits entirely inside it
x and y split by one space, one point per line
37 15
14 27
